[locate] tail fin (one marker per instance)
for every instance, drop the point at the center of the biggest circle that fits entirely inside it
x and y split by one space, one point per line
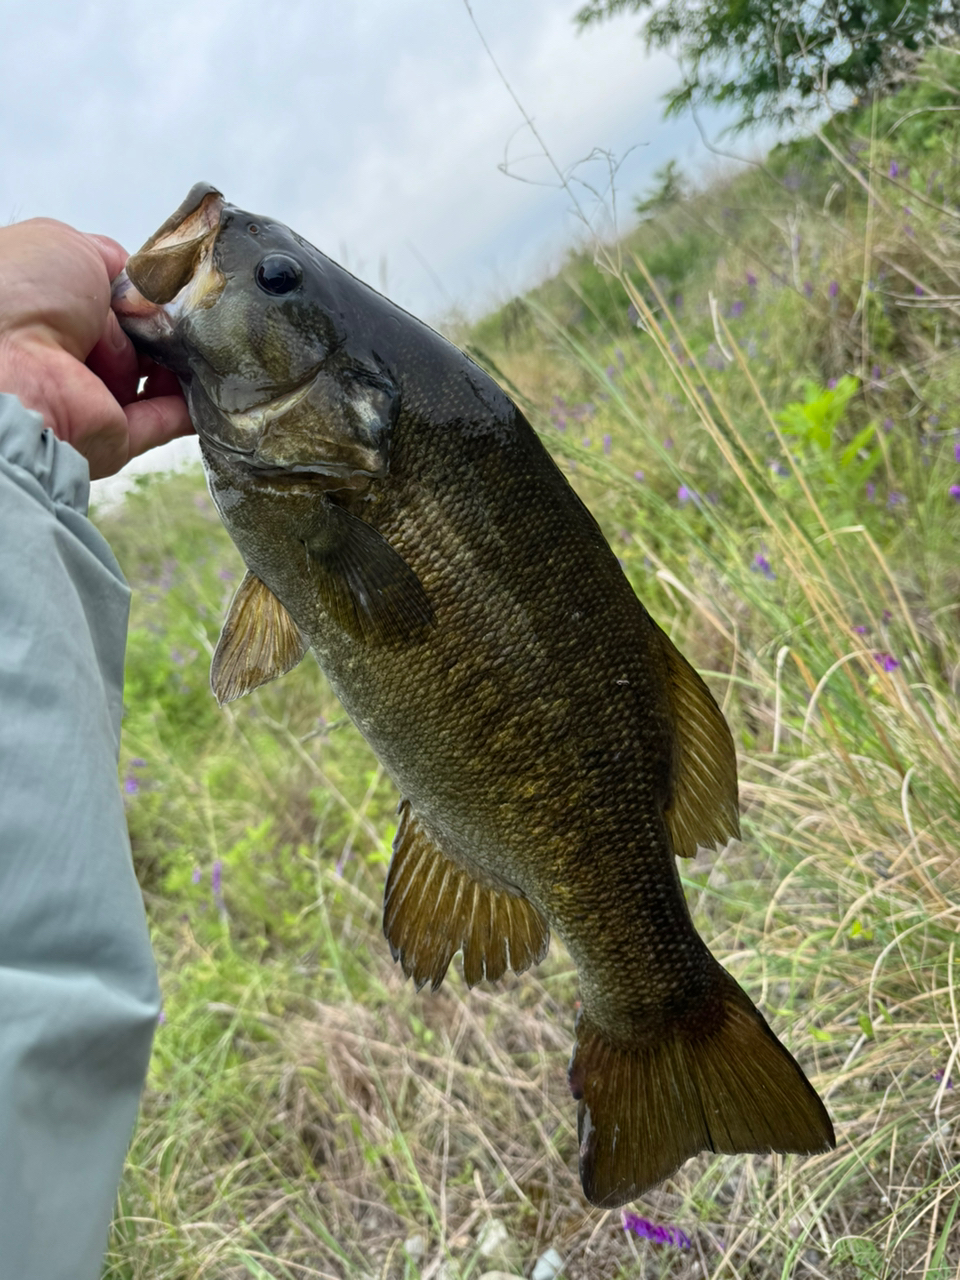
644 1111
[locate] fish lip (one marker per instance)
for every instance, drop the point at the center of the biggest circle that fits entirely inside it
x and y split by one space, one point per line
197 222
129 303
200 214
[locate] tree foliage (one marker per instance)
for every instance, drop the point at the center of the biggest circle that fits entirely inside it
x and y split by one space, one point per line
777 59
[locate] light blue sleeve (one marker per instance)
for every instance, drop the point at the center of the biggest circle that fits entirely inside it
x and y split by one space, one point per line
78 990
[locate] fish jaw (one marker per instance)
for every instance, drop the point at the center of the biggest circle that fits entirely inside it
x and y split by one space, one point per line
177 254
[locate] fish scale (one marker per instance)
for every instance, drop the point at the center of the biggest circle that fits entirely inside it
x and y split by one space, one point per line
555 752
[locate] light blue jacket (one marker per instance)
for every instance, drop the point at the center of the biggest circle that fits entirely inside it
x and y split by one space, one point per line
78 991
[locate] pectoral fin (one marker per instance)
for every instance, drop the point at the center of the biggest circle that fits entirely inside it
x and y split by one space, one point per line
704 807
259 642
433 907
363 582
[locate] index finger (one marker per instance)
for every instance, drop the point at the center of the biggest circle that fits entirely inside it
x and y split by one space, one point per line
113 253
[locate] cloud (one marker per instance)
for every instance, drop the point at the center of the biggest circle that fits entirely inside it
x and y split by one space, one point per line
375 129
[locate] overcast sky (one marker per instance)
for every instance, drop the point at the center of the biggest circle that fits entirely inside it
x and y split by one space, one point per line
374 128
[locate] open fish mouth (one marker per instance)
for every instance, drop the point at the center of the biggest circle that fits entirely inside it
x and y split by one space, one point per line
174 270
178 254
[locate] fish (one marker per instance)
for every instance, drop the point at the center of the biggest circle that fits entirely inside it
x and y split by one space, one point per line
554 751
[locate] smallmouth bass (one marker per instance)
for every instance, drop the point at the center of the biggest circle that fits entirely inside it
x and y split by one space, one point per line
554 750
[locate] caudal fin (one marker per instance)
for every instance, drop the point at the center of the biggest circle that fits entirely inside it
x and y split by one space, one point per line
643 1112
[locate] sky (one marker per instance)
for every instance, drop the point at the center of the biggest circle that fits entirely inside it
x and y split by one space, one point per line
377 129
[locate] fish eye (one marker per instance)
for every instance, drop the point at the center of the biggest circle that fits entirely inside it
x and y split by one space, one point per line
279 274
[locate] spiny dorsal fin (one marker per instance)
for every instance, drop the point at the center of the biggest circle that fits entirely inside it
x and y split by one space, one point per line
365 584
432 908
259 642
704 808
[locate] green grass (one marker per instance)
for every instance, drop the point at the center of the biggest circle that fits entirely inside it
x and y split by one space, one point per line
307 1112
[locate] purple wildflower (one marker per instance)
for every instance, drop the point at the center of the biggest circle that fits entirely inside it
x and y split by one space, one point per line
871 489
639 475
607 444
831 384
226 575
956 452
886 660
886 616
197 875
130 785
648 1230
918 290
894 169
611 371
776 467
861 631
751 280
586 442
807 289
938 1076
561 424
216 883
683 495
888 424
736 309
895 499
162 1017
762 565
138 762
955 492
834 289
668 443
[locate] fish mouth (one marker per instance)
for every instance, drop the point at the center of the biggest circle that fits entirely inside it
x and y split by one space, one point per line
174 270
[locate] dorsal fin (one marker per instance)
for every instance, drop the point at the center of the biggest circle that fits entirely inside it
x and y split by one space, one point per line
704 808
433 907
259 642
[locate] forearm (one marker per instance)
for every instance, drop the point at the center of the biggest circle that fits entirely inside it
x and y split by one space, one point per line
78 992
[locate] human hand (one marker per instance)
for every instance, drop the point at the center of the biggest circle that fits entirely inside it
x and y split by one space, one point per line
62 350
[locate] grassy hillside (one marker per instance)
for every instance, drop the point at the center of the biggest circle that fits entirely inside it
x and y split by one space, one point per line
756 393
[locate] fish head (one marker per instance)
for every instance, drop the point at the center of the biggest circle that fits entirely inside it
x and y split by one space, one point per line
251 318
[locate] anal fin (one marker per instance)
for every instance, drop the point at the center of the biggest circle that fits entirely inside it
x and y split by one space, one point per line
259 642
433 908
